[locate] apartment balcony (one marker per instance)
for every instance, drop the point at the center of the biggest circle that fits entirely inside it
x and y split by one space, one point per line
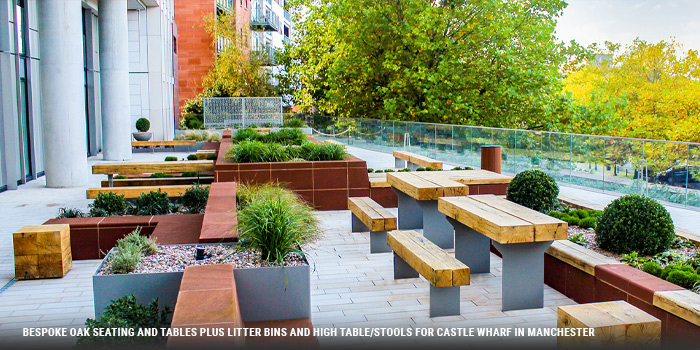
267 55
264 20
225 5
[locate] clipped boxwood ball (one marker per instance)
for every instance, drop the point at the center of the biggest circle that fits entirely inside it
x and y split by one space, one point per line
635 223
143 124
534 189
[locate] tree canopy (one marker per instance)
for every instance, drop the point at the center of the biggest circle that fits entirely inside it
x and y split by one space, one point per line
649 90
482 62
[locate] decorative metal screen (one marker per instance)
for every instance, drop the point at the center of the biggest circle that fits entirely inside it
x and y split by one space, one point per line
223 112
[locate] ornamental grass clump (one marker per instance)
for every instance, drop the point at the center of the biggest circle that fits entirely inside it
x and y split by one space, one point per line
129 251
276 222
635 223
534 189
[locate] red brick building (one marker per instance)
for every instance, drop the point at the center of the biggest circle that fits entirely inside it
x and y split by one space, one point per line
194 48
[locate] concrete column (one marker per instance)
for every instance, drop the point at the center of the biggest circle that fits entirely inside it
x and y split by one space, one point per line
114 77
62 93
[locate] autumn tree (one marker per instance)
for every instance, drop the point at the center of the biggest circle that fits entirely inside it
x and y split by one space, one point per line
649 90
482 62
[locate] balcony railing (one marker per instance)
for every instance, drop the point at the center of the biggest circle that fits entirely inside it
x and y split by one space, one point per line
287 16
267 55
225 4
264 20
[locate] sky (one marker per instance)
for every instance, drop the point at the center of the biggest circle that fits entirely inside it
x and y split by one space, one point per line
621 21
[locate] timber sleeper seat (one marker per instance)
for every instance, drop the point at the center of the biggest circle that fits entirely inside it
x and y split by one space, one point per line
135 191
414 161
368 215
414 255
135 168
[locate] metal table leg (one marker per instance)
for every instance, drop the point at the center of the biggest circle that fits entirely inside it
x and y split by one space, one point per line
410 212
523 275
399 163
358 225
377 242
435 226
471 247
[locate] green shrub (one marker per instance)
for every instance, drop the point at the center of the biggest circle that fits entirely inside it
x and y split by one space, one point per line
653 268
457 168
670 257
192 157
108 204
635 223
404 170
670 268
170 159
120 177
370 170
246 134
246 152
276 222
190 174
151 203
125 312
332 151
274 152
572 220
64 213
633 259
420 169
684 279
388 170
267 125
146 245
143 124
534 189
588 222
211 156
379 171
294 123
580 213
125 258
254 126
161 176
284 136
195 199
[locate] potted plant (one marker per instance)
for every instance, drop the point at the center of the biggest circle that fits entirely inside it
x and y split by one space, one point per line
142 125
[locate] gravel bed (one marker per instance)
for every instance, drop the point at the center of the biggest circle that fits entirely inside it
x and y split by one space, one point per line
174 258
589 235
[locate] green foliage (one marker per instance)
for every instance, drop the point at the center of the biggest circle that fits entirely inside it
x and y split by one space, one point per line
331 151
579 239
211 156
534 189
64 213
388 170
151 203
256 151
108 204
120 177
404 170
684 279
145 245
276 222
633 259
588 222
370 170
680 242
195 199
161 176
652 267
125 258
170 159
675 267
294 123
669 257
635 223
379 171
125 312
143 124
491 63
284 136
190 174
192 157
420 168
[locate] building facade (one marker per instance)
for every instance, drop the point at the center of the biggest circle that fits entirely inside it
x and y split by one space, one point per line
264 26
74 77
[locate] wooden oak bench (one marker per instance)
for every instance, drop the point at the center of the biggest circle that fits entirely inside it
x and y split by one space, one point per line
414 161
135 191
204 153
368 215
414 254
132 168
207 299
614 323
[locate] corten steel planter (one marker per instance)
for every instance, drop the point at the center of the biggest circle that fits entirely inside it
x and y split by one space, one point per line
264 293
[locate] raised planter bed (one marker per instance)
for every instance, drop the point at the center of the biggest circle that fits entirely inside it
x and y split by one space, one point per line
167 181
586 276
324 184
264 293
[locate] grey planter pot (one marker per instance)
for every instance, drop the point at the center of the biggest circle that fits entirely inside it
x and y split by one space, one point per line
142 136
264 293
